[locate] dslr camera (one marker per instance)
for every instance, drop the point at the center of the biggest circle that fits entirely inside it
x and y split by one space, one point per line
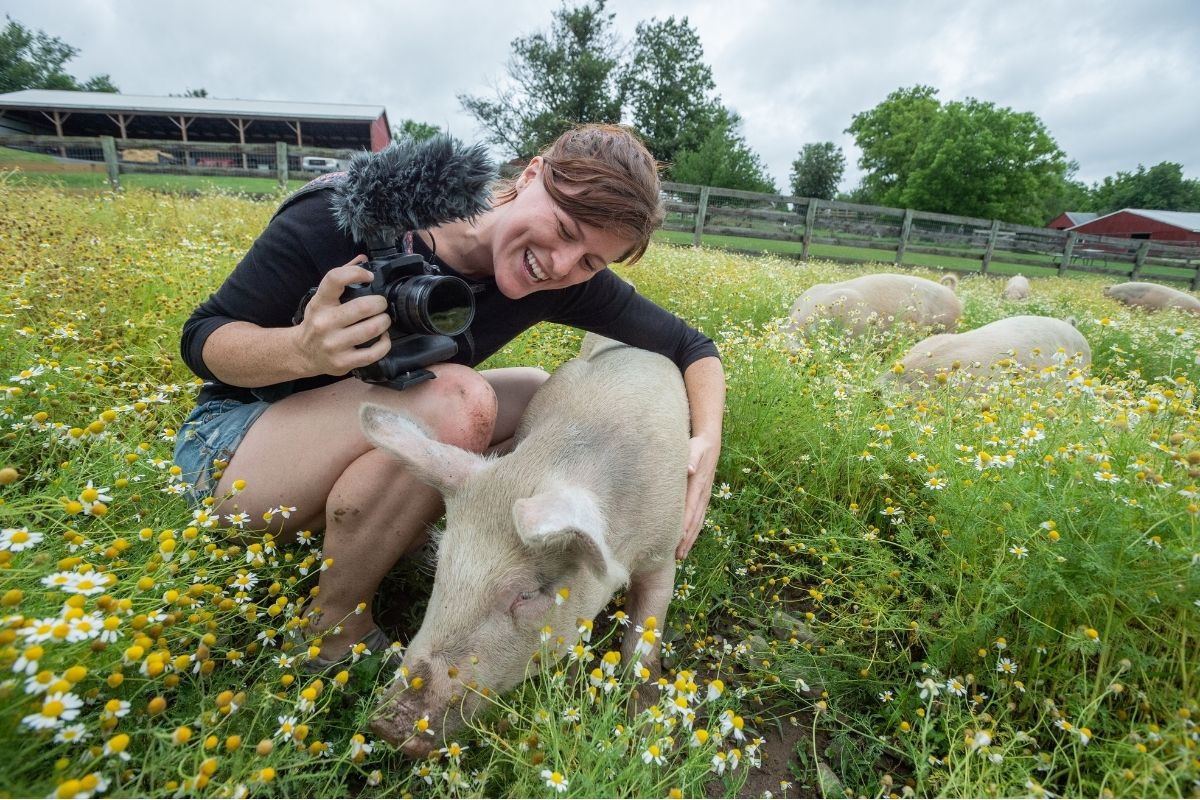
426 309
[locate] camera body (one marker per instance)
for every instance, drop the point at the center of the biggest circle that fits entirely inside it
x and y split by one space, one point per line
426 309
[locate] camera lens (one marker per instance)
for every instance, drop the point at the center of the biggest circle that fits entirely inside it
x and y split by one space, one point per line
435 304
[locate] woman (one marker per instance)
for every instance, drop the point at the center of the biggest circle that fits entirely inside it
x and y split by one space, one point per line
539 254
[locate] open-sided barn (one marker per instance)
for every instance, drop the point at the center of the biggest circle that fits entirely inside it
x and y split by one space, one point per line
193 119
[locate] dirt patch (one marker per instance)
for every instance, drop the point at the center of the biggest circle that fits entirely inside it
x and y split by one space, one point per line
782 739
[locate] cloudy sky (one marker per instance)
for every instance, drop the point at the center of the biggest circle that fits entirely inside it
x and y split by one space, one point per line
1116 83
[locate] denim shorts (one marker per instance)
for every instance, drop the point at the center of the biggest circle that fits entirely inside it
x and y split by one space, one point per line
211 433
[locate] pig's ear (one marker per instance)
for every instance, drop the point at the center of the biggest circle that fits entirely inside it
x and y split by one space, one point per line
569 517
442 466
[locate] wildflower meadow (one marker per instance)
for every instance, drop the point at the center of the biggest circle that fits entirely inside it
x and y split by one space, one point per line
962 590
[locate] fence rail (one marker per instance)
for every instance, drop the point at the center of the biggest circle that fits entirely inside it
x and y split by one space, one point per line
899 234
895 234
277 160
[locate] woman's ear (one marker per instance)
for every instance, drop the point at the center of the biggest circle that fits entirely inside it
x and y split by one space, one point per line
530 172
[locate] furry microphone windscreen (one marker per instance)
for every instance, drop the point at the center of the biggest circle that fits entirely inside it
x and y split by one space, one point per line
412 185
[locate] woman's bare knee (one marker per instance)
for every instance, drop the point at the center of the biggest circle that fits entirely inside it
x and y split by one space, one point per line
458 407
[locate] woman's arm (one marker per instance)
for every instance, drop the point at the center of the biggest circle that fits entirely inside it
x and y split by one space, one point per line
705 383
249 355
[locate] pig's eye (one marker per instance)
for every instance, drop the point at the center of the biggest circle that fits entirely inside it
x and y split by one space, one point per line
525 597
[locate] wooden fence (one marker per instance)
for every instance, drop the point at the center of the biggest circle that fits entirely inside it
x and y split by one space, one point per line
901 236
277 160
843 231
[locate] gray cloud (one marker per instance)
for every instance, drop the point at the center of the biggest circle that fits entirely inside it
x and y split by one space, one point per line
1114 82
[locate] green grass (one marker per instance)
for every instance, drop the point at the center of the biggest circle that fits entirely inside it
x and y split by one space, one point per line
932 620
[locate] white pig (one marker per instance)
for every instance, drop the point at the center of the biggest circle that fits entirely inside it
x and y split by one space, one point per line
1017 288
1042 343
1152 295
880 300
589 500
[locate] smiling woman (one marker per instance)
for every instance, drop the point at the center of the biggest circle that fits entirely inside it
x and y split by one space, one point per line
540 253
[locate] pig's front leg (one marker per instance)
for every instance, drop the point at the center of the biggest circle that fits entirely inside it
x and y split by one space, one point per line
648 595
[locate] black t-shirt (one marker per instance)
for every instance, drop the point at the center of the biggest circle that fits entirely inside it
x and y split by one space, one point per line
302 243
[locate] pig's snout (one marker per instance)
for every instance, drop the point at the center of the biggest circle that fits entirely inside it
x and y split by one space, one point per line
396 722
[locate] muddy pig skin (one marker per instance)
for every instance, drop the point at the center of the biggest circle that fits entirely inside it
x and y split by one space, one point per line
589 500
1152 296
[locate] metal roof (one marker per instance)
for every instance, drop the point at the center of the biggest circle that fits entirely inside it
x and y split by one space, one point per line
1187 220
37 99
1080 217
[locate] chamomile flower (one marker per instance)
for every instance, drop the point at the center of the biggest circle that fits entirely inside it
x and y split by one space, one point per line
56 710
17 539
555 780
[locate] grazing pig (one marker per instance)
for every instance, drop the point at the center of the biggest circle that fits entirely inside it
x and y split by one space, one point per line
589 500
1017 288
1034 342
1152 296
879 300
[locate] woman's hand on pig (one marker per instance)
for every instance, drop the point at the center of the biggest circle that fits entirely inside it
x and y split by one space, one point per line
702 469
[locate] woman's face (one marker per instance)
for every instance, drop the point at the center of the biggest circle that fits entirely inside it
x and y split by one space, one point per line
538 246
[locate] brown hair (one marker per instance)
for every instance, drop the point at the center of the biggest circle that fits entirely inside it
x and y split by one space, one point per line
603 176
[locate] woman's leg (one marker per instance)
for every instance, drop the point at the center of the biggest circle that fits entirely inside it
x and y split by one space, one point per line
514 387
308 451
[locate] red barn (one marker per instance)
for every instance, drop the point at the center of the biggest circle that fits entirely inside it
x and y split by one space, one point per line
1140 223
1069 219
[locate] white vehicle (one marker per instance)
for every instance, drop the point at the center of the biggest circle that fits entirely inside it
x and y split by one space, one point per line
319 164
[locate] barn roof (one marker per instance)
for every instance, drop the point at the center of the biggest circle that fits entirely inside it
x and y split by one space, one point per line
1186 220
34 99
1080 217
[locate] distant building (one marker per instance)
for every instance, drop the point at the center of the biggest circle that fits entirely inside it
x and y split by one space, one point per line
1069 219
1140 223
193 119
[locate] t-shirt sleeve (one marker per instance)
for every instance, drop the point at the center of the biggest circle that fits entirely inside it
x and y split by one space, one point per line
296 249
611 307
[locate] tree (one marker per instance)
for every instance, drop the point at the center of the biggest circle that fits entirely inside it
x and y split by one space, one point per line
1161 187
723 159
668 88
34 60
888 135
558 79
818 170
417 131
970 158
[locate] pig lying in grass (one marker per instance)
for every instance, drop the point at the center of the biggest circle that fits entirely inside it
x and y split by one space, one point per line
1041 343
1152 296
879 300
1017 288
589 500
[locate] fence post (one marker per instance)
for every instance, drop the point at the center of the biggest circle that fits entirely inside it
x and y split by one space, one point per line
281 163
1139 259
701 212
109 146
991 246
905 230
1065 264
810 221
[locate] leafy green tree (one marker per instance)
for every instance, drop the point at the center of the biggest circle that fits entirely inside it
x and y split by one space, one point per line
668 88
888 136
970 158
723 159
412 129
34 60
818 170
1161 187
557 80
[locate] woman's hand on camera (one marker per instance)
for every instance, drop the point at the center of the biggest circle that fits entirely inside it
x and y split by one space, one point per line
328 336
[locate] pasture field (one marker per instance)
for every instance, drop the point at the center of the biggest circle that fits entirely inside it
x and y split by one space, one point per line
956 593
